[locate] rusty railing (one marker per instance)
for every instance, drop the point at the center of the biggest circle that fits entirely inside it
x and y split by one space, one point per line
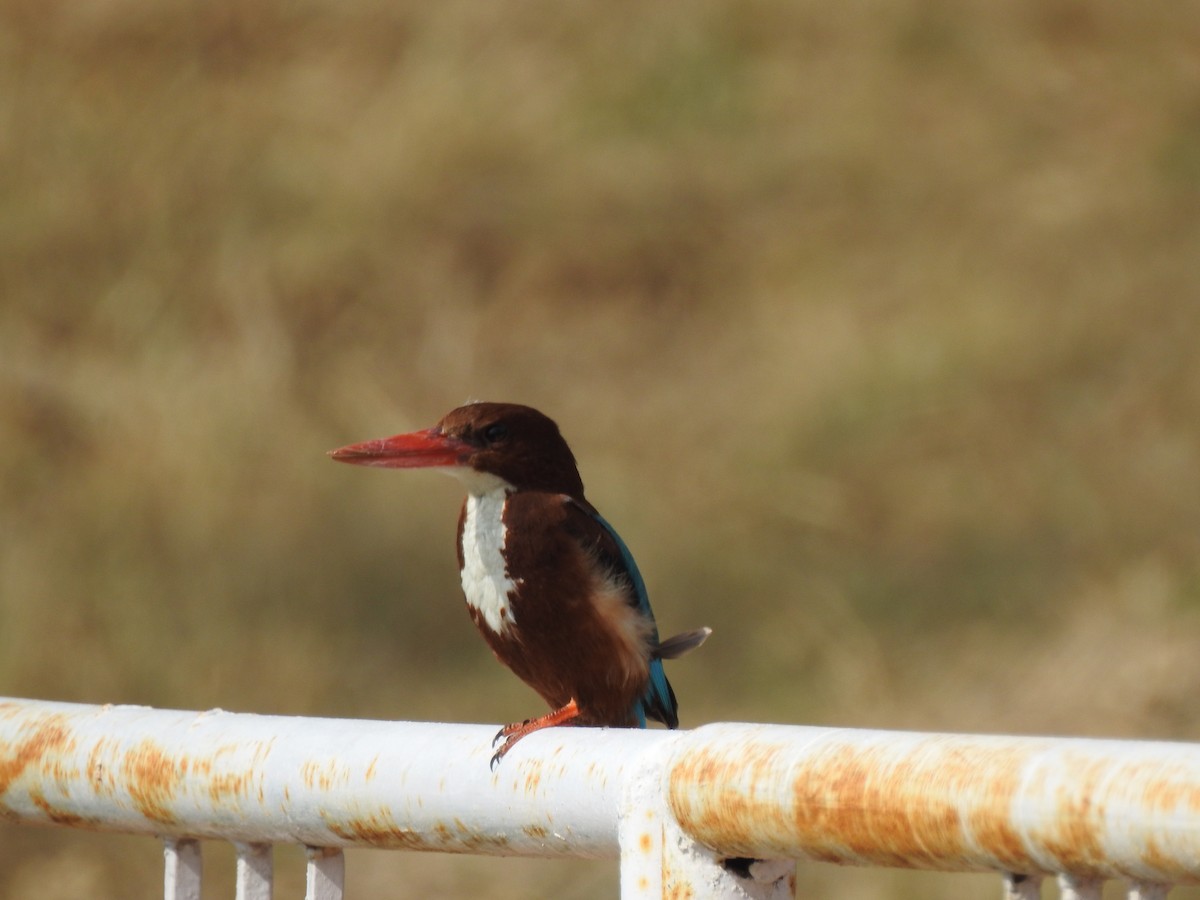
720 811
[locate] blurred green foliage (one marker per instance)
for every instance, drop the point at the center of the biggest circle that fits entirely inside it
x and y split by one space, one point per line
873 325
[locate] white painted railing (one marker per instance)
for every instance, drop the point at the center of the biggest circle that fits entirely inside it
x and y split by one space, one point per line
720 811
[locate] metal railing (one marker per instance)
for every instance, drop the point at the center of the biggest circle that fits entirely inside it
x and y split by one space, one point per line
720 811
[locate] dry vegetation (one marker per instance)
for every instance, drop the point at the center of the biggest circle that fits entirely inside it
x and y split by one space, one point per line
874 326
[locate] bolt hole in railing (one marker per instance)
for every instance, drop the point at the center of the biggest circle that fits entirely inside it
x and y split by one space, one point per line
721 811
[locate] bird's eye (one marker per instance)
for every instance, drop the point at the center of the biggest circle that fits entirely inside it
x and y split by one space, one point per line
495 432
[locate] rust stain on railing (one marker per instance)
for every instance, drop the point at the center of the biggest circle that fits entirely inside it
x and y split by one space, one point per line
44 741
1037 806
946 802
152 778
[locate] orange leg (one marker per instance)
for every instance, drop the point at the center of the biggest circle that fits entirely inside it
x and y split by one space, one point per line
513 733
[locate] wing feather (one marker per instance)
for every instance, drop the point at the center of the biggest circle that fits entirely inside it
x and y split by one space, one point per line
658 702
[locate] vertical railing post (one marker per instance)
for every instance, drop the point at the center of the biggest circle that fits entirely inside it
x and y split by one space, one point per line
1141 890
659 860
181 869
1074 887
1022 887
326 873
255 873
641 823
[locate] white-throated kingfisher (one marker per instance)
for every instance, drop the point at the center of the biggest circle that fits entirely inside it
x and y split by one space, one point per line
552 588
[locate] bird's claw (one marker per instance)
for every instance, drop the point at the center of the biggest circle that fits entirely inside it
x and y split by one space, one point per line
509 730
510 738
496 757
510 734
517 730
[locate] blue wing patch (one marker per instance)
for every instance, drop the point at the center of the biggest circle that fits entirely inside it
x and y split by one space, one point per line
659 700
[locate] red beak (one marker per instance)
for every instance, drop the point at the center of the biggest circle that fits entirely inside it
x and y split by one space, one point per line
421 449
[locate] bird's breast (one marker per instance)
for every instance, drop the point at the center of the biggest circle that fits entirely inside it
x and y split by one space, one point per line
485 580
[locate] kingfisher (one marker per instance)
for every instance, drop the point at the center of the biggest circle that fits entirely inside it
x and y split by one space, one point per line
548 582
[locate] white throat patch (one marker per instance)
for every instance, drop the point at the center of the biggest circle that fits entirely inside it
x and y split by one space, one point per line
485 580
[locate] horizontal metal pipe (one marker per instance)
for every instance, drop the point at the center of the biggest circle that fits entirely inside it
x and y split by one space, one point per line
1092 808
320 782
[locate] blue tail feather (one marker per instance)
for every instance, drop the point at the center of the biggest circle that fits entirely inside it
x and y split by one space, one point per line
659 700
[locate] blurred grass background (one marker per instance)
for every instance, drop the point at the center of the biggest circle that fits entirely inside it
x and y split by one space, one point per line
873 326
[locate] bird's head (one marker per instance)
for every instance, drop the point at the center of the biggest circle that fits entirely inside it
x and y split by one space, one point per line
485 445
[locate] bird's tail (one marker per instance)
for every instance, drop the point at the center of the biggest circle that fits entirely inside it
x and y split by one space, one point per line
676 646
659 700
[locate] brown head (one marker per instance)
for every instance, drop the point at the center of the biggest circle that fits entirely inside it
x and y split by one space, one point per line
486 446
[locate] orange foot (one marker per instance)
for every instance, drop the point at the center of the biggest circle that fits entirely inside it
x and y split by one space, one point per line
513 733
